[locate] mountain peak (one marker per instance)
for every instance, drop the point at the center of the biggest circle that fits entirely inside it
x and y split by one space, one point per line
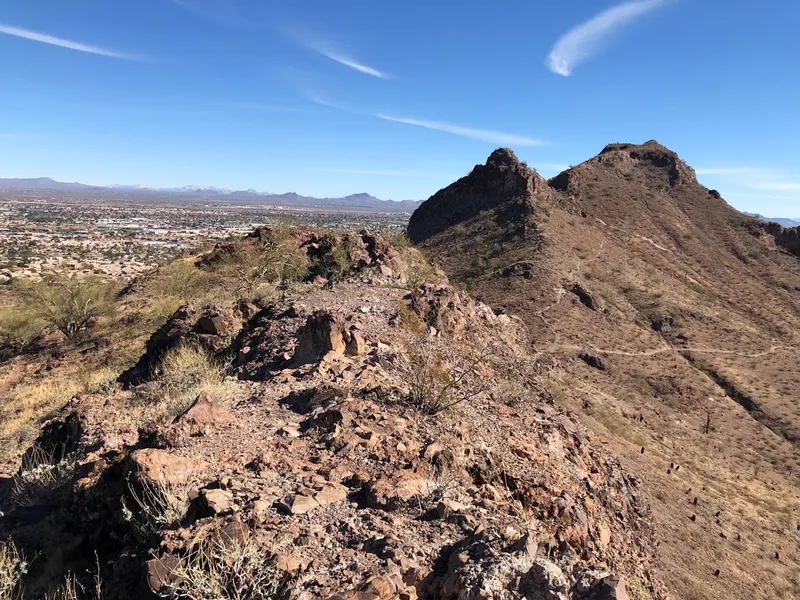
502 157
502 184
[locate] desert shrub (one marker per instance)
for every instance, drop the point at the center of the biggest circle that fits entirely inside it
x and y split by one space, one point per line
40 477
182 280
276 259
71 304
436 374
154 507
400 241
73 589
334 264
187 371
225 569
13 567
19 325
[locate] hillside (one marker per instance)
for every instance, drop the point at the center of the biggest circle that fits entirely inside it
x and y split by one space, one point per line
669 322
300 415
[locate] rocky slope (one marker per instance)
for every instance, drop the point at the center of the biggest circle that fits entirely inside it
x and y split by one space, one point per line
670 320
380 440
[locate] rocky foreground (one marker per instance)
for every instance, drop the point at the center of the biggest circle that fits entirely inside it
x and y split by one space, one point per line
381 440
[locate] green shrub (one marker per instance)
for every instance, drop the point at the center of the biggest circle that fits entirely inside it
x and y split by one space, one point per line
71 304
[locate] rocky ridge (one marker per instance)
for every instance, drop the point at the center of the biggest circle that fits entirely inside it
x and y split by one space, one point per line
322 461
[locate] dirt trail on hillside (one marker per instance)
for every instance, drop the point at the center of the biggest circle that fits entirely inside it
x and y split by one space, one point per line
663 349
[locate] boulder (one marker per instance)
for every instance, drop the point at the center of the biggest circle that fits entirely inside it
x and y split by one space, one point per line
297 504
585 296
160 467
321 338
391 492
204 412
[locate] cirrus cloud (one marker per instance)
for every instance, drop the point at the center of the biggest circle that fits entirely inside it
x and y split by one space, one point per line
584 40
44 38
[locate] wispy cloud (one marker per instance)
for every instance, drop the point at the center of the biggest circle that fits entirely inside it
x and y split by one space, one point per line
483 135
353 64
586 39
329 51
63 43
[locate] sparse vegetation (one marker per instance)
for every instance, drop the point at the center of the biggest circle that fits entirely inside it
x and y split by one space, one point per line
154 506
13 567
69 303
187 371
224 569
41 476
276 260
436 375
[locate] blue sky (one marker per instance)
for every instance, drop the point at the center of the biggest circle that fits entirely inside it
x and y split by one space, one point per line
396 98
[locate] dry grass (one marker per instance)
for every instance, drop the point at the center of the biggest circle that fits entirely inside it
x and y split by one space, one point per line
225 569
154 507
13 567
436 373
187 371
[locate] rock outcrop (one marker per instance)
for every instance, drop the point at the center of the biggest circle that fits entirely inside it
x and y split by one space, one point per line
503 184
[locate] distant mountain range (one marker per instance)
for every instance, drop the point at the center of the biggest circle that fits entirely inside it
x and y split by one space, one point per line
779 220
213 195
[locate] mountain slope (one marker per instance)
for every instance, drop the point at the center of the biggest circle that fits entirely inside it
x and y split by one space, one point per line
659 309
187 194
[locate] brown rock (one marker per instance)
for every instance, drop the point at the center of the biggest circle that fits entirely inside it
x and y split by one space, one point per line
322 337
205 412
331 492
392 492
214 502
298 504
158 571
610 588
155 466
446 508
355 344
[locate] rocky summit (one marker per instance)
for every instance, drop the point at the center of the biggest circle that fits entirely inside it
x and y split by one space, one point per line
576 389
669 324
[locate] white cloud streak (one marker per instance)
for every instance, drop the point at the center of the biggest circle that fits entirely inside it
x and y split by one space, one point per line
483 135
328 51
349 62
63 43
586 39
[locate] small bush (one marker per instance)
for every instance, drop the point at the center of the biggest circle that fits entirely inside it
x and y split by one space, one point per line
436 376
40 477
225 569
276 259
12 568
19 325
187 371
182 280
334 264
154 507
71 304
